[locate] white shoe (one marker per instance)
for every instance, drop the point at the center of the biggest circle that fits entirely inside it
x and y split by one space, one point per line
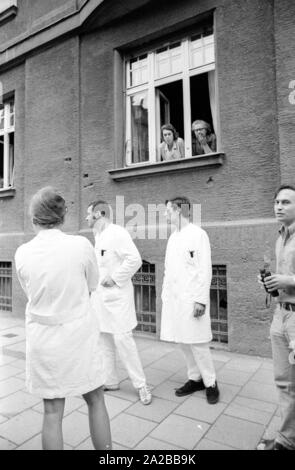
145 395
111 388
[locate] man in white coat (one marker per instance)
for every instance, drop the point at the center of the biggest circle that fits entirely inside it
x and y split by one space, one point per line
118 260
186 299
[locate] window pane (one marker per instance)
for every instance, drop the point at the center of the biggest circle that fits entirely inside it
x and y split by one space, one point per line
1 118
1 161
138 70
11 159
139 128
201 51
11 114
168 60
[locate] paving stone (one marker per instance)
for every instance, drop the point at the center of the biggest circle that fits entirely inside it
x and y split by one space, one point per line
36 444
206 444
255 404
171 362
4 360
273 427
130 430
6 337
243 364
75 428
150 356
248 414
6 445
267 364
264 376
11 385
9 323
218 364
19 364
180 431
16 403
227 392
71 404
166 390
117 446
8 371
199 409
236 432
3 419
221 356
156 376
156 411
180 376
17 350
126 392
233 377
154 444
114 406
259 391
22 427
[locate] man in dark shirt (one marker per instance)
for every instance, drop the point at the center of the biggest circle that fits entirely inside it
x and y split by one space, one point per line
282 329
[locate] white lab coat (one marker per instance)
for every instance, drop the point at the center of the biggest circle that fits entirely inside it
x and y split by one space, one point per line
187 280
118 257
63 356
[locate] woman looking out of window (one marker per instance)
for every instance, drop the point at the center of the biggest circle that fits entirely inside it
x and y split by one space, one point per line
172 146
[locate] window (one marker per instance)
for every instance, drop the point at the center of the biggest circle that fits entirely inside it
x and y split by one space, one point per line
174 83
218 304
5 286
145 298
5 4
7 119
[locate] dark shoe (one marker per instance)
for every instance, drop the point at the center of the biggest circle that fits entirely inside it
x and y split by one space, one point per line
270 444
190 387
212 394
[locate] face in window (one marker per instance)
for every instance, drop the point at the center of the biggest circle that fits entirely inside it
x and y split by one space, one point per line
168 137
200 131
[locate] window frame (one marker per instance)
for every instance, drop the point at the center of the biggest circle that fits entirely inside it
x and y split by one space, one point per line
150 86
8 180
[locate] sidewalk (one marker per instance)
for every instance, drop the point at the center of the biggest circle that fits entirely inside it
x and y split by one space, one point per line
247 409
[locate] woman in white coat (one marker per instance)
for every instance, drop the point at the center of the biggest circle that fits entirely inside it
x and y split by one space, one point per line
57 272
186 298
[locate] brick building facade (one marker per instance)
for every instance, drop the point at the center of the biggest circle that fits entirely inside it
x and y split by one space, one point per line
63 69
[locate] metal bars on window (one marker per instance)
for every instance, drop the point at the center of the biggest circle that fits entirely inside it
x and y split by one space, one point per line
144 282
5 286
218 304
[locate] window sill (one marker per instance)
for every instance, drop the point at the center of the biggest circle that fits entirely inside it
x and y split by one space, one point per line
8 14
180 165
7 192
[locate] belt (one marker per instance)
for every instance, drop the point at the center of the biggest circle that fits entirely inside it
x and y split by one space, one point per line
287 306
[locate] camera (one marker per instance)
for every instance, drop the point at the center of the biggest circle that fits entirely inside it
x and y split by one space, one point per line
265 273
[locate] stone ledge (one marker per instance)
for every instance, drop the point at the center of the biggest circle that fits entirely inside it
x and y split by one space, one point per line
180 165
7 192
8 14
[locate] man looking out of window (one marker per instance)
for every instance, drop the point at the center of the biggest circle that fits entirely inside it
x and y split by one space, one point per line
205 139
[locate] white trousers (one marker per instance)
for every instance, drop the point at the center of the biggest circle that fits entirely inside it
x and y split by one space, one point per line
199 362
125 345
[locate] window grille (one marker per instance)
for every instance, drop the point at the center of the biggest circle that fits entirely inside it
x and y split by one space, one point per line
144 282
5 286
218 304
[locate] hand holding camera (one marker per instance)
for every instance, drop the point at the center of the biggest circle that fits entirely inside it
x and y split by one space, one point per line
265 272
